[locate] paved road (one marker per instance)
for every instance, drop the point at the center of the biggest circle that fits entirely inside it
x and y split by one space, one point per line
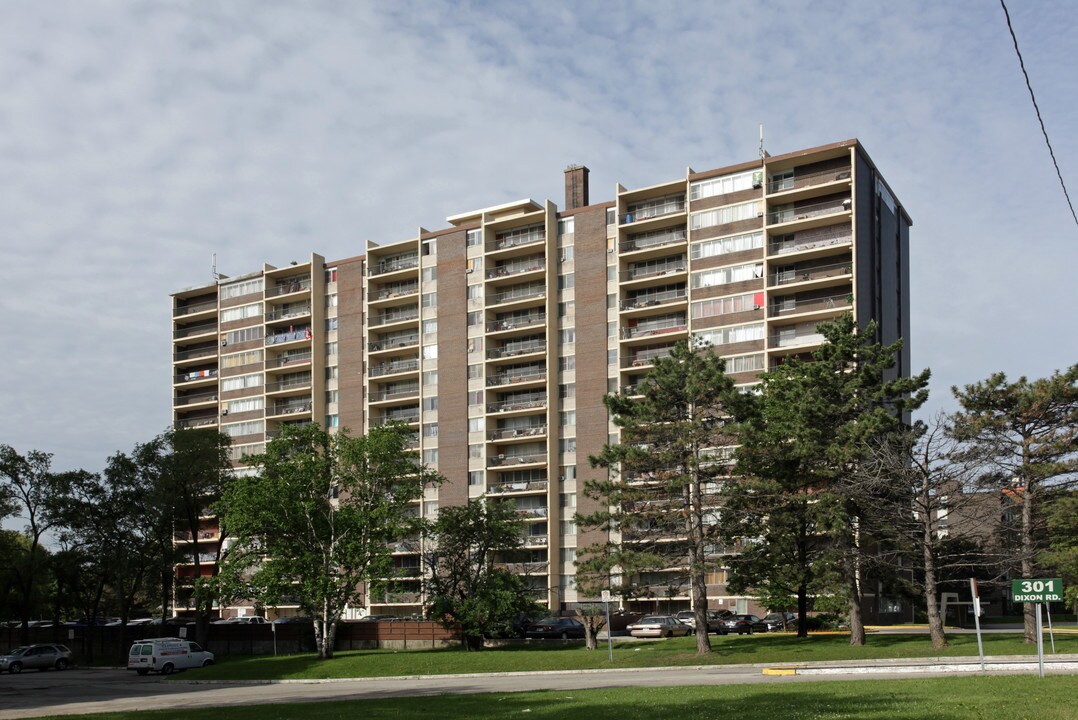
82 691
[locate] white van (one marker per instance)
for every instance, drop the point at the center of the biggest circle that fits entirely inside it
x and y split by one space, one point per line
166 656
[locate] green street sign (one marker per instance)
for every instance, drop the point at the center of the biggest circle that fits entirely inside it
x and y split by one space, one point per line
1037 591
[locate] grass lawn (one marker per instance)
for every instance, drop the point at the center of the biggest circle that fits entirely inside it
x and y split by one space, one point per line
963 698
556 655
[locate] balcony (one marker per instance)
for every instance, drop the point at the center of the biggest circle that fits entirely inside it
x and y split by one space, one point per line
290 359
515 322
196 375
651 299
817 241
810 273
518 293
645 358
516 238
194 309
195 353
517 433
393 392
513 349
789 214
395 264
194 330
291 336
194 399
290 408
795 336
511 461
661 207
287 287
660 327
523 402
654 239
395 290
387 318
524 375
644 271
538 513
781 307
407 416
189 423
289 384
517 487
799 181
393 342
517 267
394 367
288 312
536 541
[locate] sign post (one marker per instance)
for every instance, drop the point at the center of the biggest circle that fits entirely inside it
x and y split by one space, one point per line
609 630
1041 590
977 618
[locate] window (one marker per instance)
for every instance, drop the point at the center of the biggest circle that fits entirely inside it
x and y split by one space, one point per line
567 391
241 313
239 289
474 237
333 421
430 247
429 274
567 472
241 382
567 445
331 275
430 509
730 335
727 305
331 349
611 329
566 225
722 246
568 555
430 352
331 373
567 417
475 451
565 309
745 363
332 396
429 300
475 397
475 371
721 185
724 215
475 292
567 282
331 324
567 363
331 301
430 456
611 216
430 377
611 357
567 337
430 404
244 358
475 477
611 302
476 424
568 253
475 318
430 327
243 335
244 405
252 427
567 500
430 430
568 527
723 276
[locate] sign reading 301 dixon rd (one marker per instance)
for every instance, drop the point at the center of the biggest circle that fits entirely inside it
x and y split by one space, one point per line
1037 591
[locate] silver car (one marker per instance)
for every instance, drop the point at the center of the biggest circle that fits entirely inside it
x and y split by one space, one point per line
36 657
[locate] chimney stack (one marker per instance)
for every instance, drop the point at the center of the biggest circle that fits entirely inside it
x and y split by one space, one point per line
576 187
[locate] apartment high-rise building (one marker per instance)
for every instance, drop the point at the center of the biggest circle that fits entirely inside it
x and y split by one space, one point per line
496 337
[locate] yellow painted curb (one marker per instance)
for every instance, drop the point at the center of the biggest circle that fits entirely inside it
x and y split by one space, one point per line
780 671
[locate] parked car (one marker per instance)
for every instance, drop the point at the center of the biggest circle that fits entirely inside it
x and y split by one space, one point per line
554 627
378 618
779 621
714 620
89 622
744 624
658 626
289 619
36 657
166 656
243 620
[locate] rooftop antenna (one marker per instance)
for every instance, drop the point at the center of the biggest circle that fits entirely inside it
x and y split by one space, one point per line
763 153
213 269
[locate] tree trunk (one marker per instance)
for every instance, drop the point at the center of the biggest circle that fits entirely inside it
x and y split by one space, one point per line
935 622
589 636
699 602
802 611
1030 619
857 623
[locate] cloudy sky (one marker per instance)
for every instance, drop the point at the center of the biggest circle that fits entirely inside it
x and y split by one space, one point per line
139 138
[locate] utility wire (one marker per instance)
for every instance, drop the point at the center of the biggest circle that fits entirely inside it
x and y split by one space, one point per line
1032 97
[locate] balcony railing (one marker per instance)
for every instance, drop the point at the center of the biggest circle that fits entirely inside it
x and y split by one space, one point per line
196 422
411 416
654 270
799 181
531 512
513 487
392 317
395 393
509 269
394 341
197 353
290 384
659 328
196 375
656 298
810 241
295 359
521 403
649 210
393 264
195 308
519 293
514 349
797 305
289 287
194 330
805 212
291 408
391 368
396 291
285 313
516 238
195 398
517 432
504 460
290 336
516 322
536 541
811 272
643 241
795 339
644 358
510 378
